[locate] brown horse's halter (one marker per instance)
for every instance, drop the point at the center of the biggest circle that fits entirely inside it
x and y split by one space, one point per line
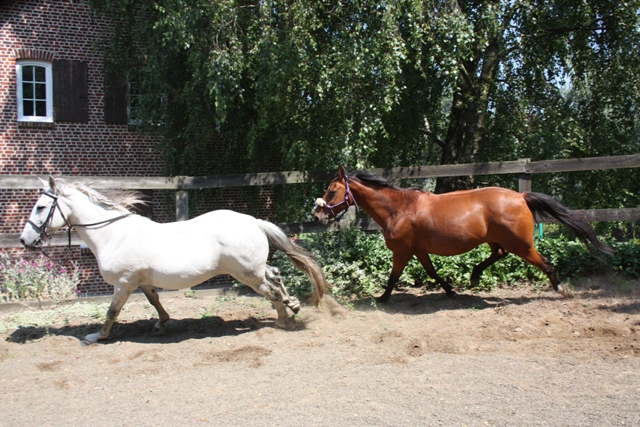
347 193
42 229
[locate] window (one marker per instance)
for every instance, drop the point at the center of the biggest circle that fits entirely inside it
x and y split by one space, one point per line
35 91
134 95
124 96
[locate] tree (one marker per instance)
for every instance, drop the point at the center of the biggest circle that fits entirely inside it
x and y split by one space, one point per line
310 84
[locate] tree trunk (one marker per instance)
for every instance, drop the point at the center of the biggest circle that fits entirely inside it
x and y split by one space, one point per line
469 110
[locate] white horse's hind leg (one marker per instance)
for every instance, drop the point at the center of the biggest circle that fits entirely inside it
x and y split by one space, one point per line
283 316
273 294
273 275
153 297
269 284
120 296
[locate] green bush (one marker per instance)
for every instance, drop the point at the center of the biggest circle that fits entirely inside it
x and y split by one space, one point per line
358 264
39 279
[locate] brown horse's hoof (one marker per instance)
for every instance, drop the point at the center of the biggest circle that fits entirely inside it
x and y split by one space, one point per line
451 294
564 291
383 299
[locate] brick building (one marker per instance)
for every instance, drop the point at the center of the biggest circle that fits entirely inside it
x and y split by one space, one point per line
57 119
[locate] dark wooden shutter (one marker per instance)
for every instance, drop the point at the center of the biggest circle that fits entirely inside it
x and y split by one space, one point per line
115 100
70 91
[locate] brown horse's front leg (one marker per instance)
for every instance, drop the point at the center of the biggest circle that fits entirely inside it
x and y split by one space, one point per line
425 260
399 263
391 283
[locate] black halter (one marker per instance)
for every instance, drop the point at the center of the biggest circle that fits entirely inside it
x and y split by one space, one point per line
42 228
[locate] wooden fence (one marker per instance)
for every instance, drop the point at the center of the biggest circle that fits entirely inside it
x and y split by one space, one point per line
182 184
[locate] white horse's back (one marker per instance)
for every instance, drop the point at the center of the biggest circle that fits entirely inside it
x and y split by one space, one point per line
182 254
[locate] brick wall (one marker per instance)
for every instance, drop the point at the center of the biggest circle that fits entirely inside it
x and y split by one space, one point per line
66 30
53 30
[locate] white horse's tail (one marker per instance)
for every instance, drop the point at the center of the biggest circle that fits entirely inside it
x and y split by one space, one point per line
299 256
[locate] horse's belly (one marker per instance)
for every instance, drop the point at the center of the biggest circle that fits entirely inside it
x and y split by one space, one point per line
186 271
180 281
450 239
453 248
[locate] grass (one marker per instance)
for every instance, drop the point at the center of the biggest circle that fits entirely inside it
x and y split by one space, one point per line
46 318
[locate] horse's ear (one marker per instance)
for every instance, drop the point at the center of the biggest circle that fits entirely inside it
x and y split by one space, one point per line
342 172
52 184
45 184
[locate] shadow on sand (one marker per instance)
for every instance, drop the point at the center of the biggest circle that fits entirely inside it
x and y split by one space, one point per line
141 331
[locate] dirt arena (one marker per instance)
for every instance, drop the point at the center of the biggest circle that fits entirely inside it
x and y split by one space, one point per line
512 357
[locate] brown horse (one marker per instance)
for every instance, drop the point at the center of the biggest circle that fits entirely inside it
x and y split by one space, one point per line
416 222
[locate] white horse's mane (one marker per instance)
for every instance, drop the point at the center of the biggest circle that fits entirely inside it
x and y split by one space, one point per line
124 200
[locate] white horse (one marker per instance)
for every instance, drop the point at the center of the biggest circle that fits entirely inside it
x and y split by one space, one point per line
135 252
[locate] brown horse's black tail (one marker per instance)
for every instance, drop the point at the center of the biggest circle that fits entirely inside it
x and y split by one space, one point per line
539 202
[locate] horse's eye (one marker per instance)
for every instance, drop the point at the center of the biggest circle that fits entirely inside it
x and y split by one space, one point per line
330 195
39 208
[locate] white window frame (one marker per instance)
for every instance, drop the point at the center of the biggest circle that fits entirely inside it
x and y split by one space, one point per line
48 118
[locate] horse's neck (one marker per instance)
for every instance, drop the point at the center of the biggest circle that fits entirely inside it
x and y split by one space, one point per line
84 211
378 203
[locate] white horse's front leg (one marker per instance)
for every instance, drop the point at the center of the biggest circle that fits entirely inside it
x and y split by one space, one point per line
120 296
163 317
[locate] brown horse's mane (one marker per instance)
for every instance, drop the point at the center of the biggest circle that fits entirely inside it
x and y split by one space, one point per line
368 178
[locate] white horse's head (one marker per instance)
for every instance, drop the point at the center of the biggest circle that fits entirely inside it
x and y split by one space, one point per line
47 216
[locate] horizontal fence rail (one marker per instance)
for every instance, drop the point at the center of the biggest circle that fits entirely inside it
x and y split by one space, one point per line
523 166
182 184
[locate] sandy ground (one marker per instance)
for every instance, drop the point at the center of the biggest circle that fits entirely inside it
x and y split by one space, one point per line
512 357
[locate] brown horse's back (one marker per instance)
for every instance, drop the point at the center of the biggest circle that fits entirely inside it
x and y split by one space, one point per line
455 223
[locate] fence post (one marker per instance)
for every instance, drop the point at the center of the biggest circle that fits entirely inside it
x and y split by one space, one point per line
182 205
182 214
524 179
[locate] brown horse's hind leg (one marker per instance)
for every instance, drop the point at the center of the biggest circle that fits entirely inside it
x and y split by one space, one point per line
399 263
534 258
425 260
497 253
163 317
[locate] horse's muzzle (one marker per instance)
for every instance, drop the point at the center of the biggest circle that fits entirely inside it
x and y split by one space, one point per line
31 237
322 217
31 246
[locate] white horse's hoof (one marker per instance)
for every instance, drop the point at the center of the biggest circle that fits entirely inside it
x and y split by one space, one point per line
281 324
293 304
91 339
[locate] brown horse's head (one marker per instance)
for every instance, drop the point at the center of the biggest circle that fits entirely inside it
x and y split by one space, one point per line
337 199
